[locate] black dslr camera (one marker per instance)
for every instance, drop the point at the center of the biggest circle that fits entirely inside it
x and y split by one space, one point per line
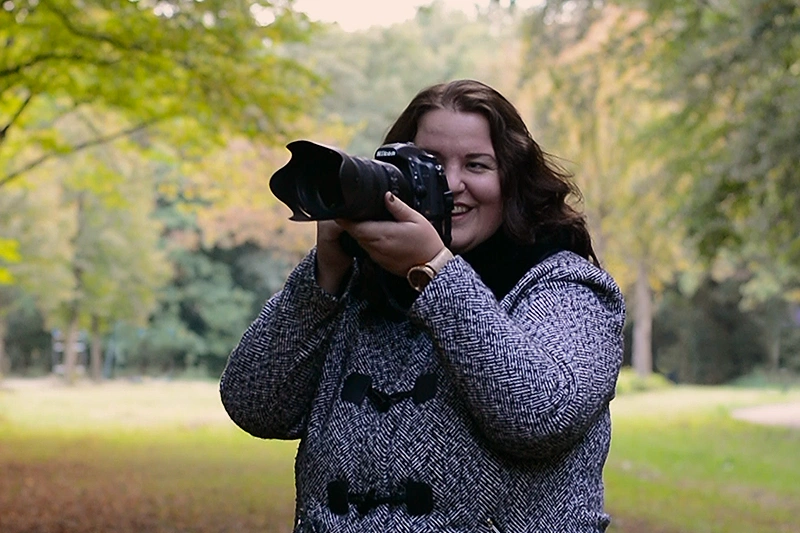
323 183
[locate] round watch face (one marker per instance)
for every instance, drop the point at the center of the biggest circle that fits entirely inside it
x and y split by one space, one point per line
419 276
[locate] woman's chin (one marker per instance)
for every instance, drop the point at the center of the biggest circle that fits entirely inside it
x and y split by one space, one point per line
459 246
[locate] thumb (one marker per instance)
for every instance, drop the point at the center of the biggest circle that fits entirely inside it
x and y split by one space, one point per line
400 210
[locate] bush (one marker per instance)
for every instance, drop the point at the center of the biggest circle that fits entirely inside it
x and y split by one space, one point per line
630 382
761 378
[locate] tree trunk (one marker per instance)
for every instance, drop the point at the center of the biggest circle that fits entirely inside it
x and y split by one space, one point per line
3 363
71 338
642 353
96 353
71 352
773 334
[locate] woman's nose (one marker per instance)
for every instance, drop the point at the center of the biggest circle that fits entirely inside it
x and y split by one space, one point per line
454 179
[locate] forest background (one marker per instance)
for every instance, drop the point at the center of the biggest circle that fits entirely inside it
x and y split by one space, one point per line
138 235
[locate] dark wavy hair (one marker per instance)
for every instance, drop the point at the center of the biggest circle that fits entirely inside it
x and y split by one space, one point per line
535 189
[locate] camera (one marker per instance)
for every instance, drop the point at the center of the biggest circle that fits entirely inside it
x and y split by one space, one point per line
322 183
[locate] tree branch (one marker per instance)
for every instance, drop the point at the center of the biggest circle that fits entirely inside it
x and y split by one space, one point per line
16 69
16 116
81 32
77 148
111 162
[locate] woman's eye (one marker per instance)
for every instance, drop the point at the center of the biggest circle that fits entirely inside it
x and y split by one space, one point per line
477 166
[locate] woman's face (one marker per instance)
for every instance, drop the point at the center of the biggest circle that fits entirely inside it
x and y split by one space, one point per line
463 145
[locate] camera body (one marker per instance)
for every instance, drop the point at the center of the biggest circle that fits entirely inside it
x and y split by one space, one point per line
322 183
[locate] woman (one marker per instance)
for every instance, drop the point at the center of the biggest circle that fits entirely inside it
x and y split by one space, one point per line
484 405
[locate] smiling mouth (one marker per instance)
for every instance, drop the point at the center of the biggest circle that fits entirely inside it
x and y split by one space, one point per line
460 210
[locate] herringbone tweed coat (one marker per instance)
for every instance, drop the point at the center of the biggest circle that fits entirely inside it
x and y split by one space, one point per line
471 416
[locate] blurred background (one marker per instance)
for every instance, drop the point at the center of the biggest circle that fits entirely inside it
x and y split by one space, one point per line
139 238
138 235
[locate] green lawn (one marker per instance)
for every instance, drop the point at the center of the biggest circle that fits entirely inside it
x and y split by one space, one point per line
163 457
681 463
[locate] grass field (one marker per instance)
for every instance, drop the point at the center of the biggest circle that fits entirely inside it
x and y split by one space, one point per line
163 457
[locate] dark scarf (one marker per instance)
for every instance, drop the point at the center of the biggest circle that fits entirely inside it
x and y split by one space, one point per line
499 261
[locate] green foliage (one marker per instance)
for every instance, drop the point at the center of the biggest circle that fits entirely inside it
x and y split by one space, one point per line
116 244
373 74
198 70
212 297
761 378
629 382
98 97
706 337
594 101
733 71
28 341
261 272
9 253
676 116
41 228
200 318
682 118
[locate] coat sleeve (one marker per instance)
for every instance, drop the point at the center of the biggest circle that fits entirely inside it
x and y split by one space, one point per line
536 376
273 373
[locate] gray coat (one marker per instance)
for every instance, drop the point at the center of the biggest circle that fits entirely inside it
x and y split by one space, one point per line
471 416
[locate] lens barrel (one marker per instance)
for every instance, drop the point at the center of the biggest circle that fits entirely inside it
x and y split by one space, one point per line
323 183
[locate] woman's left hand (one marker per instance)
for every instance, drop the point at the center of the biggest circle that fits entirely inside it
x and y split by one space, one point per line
397 245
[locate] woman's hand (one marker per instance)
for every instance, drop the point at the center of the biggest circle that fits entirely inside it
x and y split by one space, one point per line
396 245
333 262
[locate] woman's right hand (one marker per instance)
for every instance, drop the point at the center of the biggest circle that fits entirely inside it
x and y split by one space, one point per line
333 263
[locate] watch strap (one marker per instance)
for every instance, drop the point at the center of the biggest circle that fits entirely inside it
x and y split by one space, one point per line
420 275
439 260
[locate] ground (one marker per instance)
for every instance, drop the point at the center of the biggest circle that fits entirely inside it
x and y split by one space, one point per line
177 464
785 414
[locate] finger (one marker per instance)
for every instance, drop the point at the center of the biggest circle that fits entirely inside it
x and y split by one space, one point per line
400 210
369 230
350 226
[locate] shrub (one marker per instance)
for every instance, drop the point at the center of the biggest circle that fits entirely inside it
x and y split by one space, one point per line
630 382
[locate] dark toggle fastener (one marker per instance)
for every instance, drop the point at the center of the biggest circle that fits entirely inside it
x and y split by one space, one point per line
359 386
417 497
355 388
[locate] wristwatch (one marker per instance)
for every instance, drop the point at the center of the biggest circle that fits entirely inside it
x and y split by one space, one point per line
420 275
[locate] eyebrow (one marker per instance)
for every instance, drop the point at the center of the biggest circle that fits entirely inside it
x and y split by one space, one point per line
469 156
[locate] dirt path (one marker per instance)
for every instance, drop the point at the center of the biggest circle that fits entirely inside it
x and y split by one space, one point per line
783 414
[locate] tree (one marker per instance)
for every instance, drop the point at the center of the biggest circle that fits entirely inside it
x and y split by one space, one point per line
116 265
230 244
27 218
175 79
734 138
735 69
373 74
595 102
189 72
9 253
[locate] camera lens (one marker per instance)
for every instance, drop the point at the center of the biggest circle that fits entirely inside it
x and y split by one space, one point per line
330 195
322 183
